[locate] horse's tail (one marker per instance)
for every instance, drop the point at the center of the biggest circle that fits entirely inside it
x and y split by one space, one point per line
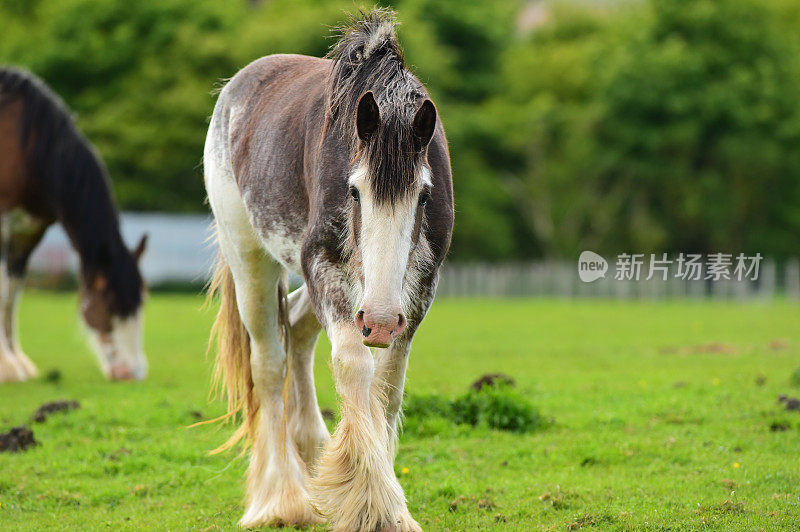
232 374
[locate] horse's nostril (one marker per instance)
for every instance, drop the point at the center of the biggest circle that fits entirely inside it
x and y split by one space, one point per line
401 321
365 331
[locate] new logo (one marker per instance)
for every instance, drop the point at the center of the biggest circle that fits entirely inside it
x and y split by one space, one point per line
591 266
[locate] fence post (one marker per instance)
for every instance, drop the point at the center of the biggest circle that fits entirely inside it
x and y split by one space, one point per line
792 274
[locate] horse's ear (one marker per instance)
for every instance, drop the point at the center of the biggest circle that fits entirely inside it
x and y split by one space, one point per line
368 116
424 124
139 249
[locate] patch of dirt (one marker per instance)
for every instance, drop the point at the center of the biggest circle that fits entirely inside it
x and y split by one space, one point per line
492 380
486 504
17 439
731 507
792 403
729 484
778 345
704 349
461 499
53 376
51 408
115 456
585 521
777 426
556 499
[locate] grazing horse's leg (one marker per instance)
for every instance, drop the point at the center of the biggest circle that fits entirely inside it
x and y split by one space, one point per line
11 367
276 492
306 425
26 233
21 234
9 310
355 486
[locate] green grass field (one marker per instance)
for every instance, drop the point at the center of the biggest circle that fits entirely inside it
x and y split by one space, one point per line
648 431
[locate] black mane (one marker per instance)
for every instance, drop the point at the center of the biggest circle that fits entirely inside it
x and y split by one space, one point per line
71 183
367 57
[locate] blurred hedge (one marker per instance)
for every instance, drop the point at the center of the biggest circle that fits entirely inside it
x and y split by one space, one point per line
662 125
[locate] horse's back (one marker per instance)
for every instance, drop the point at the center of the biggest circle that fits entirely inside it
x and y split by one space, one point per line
262 116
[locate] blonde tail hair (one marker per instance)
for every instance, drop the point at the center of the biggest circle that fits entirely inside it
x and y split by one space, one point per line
232 376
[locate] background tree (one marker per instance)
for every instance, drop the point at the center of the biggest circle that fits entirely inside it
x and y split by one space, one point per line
661 125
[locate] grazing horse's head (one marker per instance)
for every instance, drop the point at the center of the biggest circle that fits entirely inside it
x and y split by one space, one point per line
389 186
111 305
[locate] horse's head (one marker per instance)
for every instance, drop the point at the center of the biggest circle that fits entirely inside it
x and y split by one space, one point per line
114 317
389 188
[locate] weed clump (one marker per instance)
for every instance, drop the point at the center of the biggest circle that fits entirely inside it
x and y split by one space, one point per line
498 407
794 380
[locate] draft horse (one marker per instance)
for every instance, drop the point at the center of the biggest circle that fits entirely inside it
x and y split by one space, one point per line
50 173
338 169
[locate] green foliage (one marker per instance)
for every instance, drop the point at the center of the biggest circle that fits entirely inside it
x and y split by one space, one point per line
794 380
498 407
140 75
673 126
649 126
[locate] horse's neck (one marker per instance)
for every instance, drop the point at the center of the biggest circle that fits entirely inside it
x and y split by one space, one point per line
92 225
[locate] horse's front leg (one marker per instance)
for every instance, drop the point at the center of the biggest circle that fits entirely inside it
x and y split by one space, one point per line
355 485
391 363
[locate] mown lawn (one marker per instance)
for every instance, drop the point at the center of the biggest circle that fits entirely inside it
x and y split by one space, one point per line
663 416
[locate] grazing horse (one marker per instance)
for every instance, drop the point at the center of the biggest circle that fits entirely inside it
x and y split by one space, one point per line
338 169
50 173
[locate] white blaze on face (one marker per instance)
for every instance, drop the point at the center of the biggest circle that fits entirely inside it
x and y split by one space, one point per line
385 240
120 351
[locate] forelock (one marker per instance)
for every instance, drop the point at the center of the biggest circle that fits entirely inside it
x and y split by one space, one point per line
391 160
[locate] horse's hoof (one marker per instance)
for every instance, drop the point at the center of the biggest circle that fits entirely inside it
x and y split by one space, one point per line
10 370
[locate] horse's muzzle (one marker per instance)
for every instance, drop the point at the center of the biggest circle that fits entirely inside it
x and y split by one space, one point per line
379 330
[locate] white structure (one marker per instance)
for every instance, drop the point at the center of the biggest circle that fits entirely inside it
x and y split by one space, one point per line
178 247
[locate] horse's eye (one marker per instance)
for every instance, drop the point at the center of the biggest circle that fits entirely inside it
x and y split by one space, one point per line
354 193
424 197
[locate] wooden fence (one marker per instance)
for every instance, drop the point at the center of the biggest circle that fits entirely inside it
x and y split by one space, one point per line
179 252
560 280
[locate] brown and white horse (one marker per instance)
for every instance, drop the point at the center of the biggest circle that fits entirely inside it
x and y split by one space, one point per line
337 168
50 173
